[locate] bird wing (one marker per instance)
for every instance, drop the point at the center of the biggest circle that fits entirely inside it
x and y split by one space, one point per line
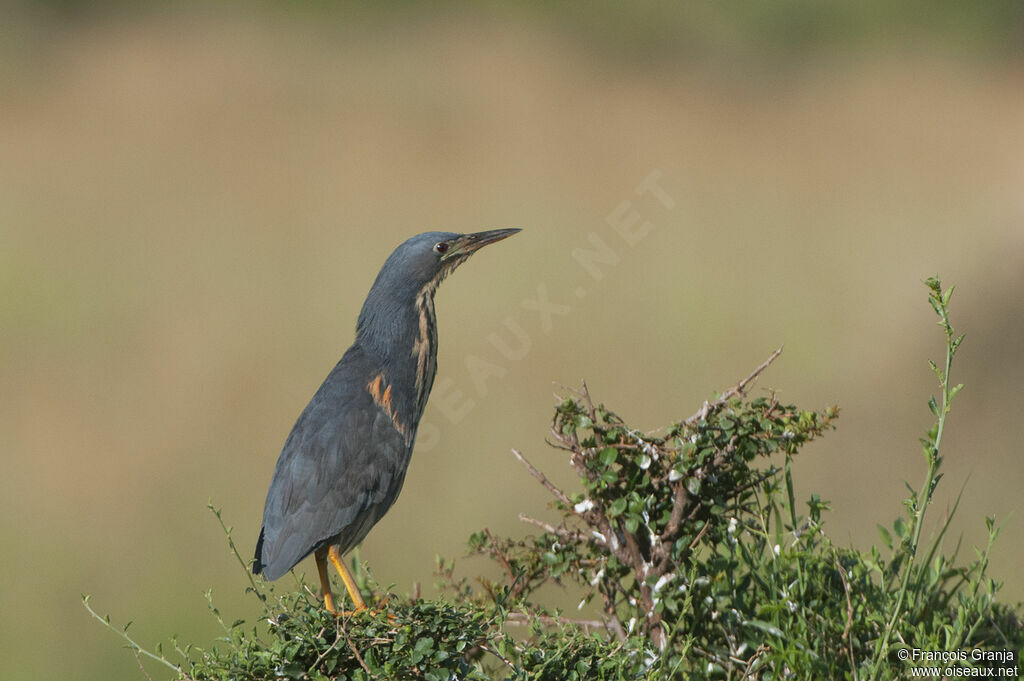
341 468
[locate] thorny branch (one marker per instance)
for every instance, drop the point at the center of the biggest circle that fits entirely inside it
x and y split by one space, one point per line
649 564
569 535
551 487
737 390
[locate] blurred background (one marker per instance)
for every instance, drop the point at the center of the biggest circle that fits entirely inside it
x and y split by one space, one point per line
194 202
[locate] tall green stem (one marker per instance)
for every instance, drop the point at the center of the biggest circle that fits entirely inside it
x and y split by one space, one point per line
940 303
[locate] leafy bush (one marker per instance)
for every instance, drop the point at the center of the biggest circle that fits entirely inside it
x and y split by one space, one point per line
694 547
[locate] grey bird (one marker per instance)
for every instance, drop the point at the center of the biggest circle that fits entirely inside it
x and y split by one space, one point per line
344 462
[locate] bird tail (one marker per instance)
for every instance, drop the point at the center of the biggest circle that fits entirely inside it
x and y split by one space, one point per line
257 565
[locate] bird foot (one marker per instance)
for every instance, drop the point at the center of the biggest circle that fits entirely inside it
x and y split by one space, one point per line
372 612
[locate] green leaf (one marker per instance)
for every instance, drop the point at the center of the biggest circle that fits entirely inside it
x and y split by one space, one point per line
766 627
617 508
886 536
424 645
900 528
692 485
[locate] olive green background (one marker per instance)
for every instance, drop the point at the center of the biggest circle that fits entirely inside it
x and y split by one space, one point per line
194 202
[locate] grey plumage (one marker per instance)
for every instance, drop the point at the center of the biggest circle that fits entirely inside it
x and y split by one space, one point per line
344 463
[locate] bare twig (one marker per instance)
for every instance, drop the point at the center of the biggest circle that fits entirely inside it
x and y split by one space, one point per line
700 535
551 487
590 403
613 624
732 392
352 647
849 613
522 618
498 655
557 445
565 387
562 532
849 602
323 655
761 650
566 534
500 556
142 667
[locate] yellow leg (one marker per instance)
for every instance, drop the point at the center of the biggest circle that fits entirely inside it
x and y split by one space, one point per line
346 577
325 583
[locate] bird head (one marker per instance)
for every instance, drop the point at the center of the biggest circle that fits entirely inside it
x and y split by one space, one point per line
432 256
416 268
423 261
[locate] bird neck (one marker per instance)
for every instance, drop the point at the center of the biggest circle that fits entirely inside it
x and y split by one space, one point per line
402 339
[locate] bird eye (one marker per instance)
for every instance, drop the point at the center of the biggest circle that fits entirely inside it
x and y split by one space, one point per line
441 247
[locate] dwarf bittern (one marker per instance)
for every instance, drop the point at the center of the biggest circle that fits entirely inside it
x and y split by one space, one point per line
344 462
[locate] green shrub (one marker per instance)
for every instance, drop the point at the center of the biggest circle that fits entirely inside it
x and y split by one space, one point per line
693 547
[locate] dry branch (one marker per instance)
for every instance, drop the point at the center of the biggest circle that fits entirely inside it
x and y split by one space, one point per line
738 389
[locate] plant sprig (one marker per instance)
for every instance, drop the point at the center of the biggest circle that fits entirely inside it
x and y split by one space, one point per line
918 502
